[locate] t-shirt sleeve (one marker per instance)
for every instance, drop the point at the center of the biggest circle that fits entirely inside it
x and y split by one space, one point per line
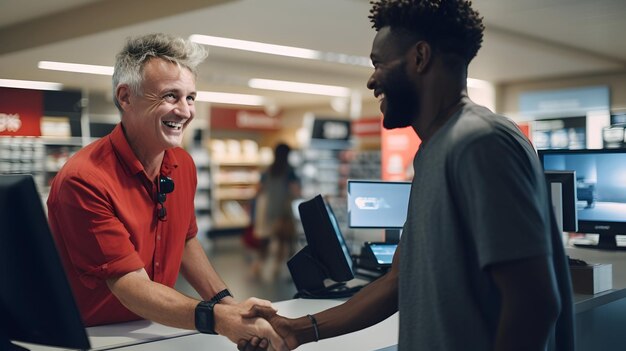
99 246
500 200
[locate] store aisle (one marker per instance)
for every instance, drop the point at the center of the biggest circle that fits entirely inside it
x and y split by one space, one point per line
228 256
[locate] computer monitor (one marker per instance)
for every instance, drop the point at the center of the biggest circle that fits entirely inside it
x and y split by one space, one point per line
562 188
36 302
378 204
326 255
330 133
600 187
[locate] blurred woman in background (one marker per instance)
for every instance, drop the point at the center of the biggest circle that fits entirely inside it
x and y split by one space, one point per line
273 215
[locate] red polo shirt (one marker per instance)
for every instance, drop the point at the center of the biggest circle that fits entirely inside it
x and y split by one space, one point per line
102 211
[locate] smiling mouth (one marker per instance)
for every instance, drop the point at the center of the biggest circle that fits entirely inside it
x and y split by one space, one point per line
379 95
173 125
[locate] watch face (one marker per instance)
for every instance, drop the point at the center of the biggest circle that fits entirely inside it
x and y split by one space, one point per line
204 317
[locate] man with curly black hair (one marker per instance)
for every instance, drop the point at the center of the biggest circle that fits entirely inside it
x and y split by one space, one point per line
480 265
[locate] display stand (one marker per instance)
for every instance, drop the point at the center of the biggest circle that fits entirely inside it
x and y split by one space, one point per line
392 236
306 271
308 276
605 242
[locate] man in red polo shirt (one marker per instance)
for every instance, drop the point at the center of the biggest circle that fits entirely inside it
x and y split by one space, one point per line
122 209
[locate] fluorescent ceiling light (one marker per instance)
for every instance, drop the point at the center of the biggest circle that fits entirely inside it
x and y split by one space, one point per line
256 47
281 50
30 84
229 98
76 67
296 87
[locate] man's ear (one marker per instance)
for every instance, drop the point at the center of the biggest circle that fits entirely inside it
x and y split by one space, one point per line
122 94
422 52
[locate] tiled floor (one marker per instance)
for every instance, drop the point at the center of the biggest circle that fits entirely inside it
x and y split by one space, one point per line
230 259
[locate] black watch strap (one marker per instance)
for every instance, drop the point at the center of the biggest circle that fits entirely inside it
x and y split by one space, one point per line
205 318
220 295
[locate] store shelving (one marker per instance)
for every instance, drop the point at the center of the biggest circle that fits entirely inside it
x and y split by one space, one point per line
56 152
202 200
19 155
42 157
235 169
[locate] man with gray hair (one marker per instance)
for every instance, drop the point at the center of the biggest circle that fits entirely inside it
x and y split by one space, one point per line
122 208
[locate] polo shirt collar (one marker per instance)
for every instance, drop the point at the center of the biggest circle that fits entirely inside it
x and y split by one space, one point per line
128 158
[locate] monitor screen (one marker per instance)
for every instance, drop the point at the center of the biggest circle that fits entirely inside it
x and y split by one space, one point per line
383 252
330 133
36 302
326 255
377 204
562 188
600 187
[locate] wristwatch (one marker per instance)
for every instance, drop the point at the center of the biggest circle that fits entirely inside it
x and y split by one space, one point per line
205 318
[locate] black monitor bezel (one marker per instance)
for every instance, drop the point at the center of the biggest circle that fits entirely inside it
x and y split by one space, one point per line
371 181
567 179
325 240
602 227
35 295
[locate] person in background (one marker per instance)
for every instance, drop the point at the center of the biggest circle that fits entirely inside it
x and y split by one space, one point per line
122 208
480 265
274 220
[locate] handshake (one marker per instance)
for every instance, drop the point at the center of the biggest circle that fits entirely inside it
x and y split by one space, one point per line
255 325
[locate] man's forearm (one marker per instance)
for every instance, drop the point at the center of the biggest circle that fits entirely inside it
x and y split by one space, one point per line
154 301
199 272
370 305
165 305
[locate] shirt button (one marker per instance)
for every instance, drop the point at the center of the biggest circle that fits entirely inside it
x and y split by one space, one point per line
158 237
156 264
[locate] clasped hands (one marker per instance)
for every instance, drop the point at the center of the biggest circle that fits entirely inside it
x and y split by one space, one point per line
254 325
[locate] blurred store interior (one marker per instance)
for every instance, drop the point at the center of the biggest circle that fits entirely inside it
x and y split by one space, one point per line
558 68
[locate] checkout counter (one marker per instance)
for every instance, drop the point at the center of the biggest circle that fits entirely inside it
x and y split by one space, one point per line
145 335
600 318
599 323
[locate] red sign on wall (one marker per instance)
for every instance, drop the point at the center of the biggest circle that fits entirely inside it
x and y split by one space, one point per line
370 126
398 148
20 112
228 119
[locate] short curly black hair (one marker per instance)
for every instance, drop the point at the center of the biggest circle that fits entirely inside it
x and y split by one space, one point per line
451 26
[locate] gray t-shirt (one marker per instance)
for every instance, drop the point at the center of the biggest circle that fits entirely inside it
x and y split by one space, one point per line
478 198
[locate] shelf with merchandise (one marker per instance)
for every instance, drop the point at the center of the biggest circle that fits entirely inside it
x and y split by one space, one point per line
202 199
41 156
236 167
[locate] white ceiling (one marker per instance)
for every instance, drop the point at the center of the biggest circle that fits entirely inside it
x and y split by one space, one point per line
525 40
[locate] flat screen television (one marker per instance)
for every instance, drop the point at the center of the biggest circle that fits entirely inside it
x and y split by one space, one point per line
36 303
326 255
600 187
562 188
378 204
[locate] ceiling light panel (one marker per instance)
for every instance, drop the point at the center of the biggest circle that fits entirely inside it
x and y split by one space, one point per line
76 67
30 84
230 98
297 87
